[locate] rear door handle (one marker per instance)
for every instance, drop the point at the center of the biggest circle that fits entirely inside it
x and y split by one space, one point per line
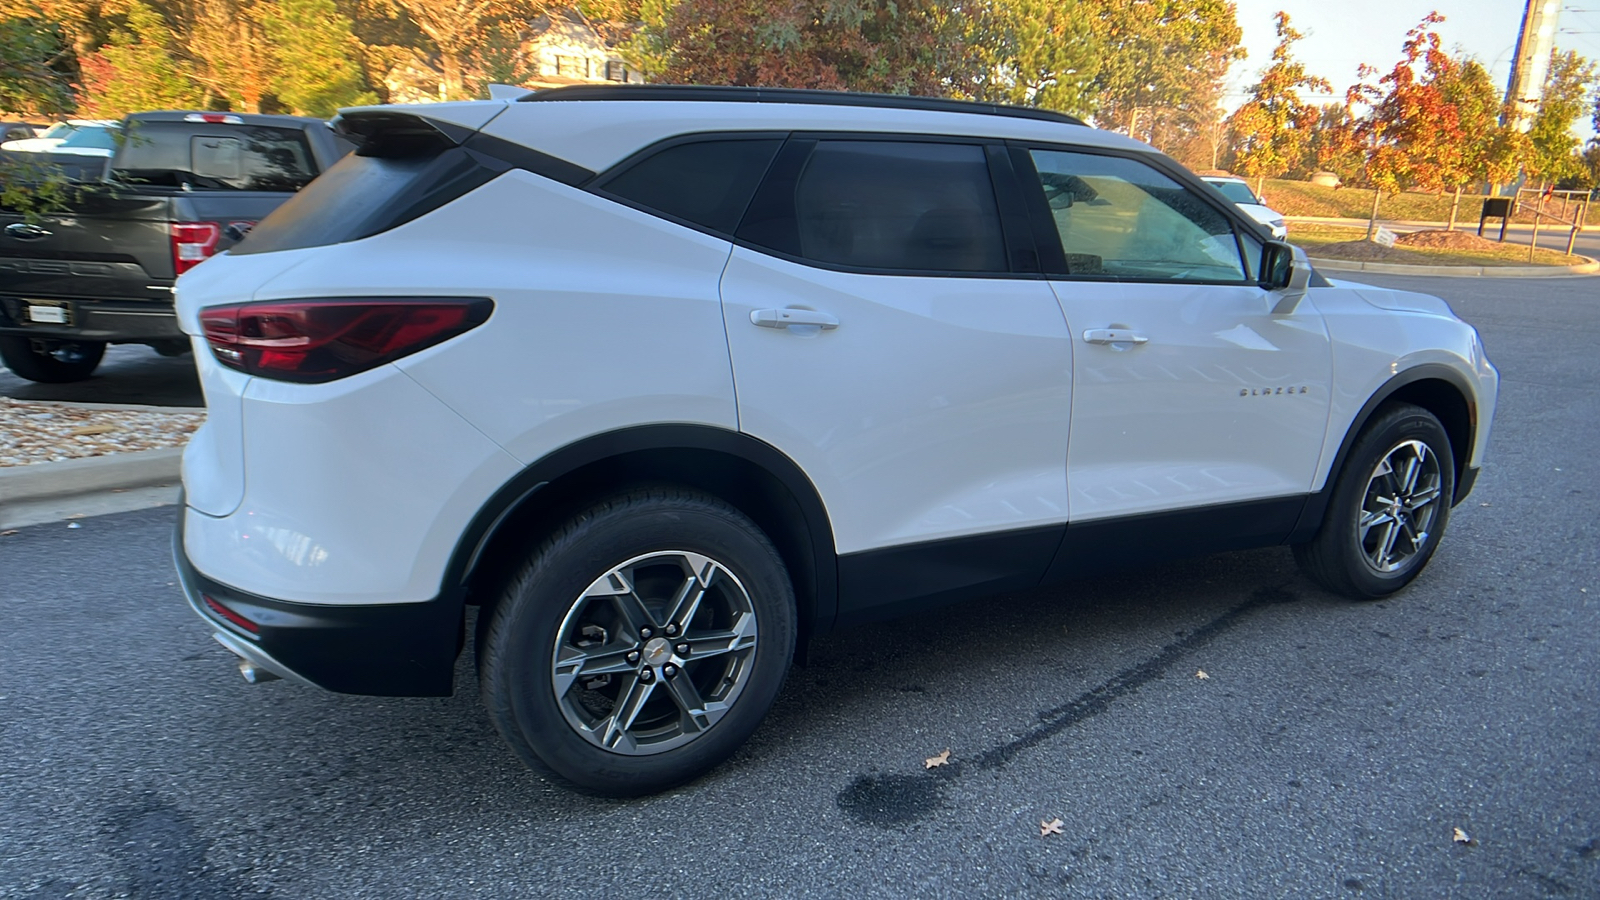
783 318
1113 336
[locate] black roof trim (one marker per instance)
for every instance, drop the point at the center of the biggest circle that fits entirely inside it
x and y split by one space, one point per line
705 93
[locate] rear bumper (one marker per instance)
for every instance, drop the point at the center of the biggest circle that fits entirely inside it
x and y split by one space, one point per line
97 320
395 650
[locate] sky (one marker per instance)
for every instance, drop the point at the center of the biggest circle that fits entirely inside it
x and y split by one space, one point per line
1339 36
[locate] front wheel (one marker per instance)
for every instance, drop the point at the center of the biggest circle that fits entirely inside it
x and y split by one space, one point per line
641 644
1389 508
50 361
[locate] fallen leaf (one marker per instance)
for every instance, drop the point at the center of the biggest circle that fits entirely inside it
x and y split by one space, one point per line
78 515
75 525
942 759
93 429
1201 674
9 532
1461 837
1051 827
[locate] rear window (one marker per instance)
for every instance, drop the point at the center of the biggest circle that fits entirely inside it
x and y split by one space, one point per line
214 157
706 182
360 196
1235 191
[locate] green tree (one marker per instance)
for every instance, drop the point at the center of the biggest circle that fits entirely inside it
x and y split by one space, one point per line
1554 155
1275 125
314 53
34 77
1042 53
1156 54
137 69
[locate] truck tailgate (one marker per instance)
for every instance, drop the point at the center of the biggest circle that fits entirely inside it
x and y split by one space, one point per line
108 247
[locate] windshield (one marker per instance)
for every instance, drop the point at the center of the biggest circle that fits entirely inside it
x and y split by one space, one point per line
59 130
100 138
1237 191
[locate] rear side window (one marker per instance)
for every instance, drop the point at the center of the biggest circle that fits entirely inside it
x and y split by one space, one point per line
708 183
893 205
215 157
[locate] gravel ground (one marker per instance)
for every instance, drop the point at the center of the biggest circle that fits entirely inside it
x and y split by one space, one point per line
34 432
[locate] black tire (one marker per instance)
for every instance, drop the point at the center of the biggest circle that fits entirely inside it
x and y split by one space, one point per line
50 361
568 595
1402 528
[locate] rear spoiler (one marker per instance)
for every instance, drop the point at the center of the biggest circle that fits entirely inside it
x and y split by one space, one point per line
388 133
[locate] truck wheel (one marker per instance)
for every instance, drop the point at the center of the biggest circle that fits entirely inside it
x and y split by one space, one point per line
641 644
1389 507
50 361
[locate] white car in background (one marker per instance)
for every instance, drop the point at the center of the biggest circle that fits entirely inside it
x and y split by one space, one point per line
82 137
1238 190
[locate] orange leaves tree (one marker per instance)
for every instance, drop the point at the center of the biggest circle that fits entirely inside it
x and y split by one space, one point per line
1414 132
1274 127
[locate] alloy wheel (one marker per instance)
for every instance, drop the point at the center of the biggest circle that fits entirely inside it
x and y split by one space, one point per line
1400 506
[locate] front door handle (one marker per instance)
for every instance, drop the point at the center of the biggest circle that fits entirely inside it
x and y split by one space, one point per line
783 318
1113 336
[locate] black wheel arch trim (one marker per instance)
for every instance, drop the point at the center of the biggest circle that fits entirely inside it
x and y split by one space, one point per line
537 476
1317 503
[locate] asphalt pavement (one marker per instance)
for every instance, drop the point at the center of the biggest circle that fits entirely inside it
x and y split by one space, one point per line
1331 751
130 373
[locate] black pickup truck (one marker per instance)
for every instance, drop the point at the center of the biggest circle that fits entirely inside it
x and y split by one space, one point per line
180 187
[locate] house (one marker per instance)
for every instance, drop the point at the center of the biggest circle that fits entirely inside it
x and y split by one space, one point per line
562 47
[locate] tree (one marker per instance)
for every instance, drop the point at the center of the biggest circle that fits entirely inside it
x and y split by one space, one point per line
1554 155
314 52
1157 53
456 27
908 47
1492 149
1413 131
1034 53
1335 146
1274 126
137 69
33 67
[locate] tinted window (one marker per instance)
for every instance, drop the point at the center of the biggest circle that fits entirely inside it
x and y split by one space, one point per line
708 183
899 205
215 157
1122 218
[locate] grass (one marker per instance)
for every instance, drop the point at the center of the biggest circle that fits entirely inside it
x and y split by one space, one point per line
1300 198
1316 237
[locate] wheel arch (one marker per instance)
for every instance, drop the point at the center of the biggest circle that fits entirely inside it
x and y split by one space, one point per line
1437 388
746 473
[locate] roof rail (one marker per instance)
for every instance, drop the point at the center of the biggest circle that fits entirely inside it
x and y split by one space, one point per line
705 93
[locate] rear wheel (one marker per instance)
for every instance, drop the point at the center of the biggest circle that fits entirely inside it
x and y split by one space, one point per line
1389 508
641 644
50 361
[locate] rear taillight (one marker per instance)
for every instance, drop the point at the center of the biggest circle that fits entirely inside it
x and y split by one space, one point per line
312 341
231 615
193 243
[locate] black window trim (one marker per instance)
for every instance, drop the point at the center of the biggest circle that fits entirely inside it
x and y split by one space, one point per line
1047 237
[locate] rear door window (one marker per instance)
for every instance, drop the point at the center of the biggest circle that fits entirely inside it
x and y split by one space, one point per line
886 205
215 157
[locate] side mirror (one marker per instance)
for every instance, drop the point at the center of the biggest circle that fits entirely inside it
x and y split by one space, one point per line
1286 272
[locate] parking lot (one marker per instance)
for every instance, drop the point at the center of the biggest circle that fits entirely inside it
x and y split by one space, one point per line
1331 749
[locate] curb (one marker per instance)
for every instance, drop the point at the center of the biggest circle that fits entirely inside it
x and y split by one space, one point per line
91 475
1350 265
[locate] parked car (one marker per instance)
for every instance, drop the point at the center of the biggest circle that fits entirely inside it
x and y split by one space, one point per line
1238 190
17 131
665 380
95 133
180 187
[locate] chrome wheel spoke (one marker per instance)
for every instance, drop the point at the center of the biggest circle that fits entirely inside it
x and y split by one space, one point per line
687 602
1419 499
614 732
696 714
742 636
573 663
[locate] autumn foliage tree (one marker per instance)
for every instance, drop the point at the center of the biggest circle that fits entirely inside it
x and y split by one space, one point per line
1274 126
1554 150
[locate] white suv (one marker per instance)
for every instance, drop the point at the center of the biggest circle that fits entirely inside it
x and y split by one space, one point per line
666 380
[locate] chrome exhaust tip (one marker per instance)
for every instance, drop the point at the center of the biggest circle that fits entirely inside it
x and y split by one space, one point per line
254 674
